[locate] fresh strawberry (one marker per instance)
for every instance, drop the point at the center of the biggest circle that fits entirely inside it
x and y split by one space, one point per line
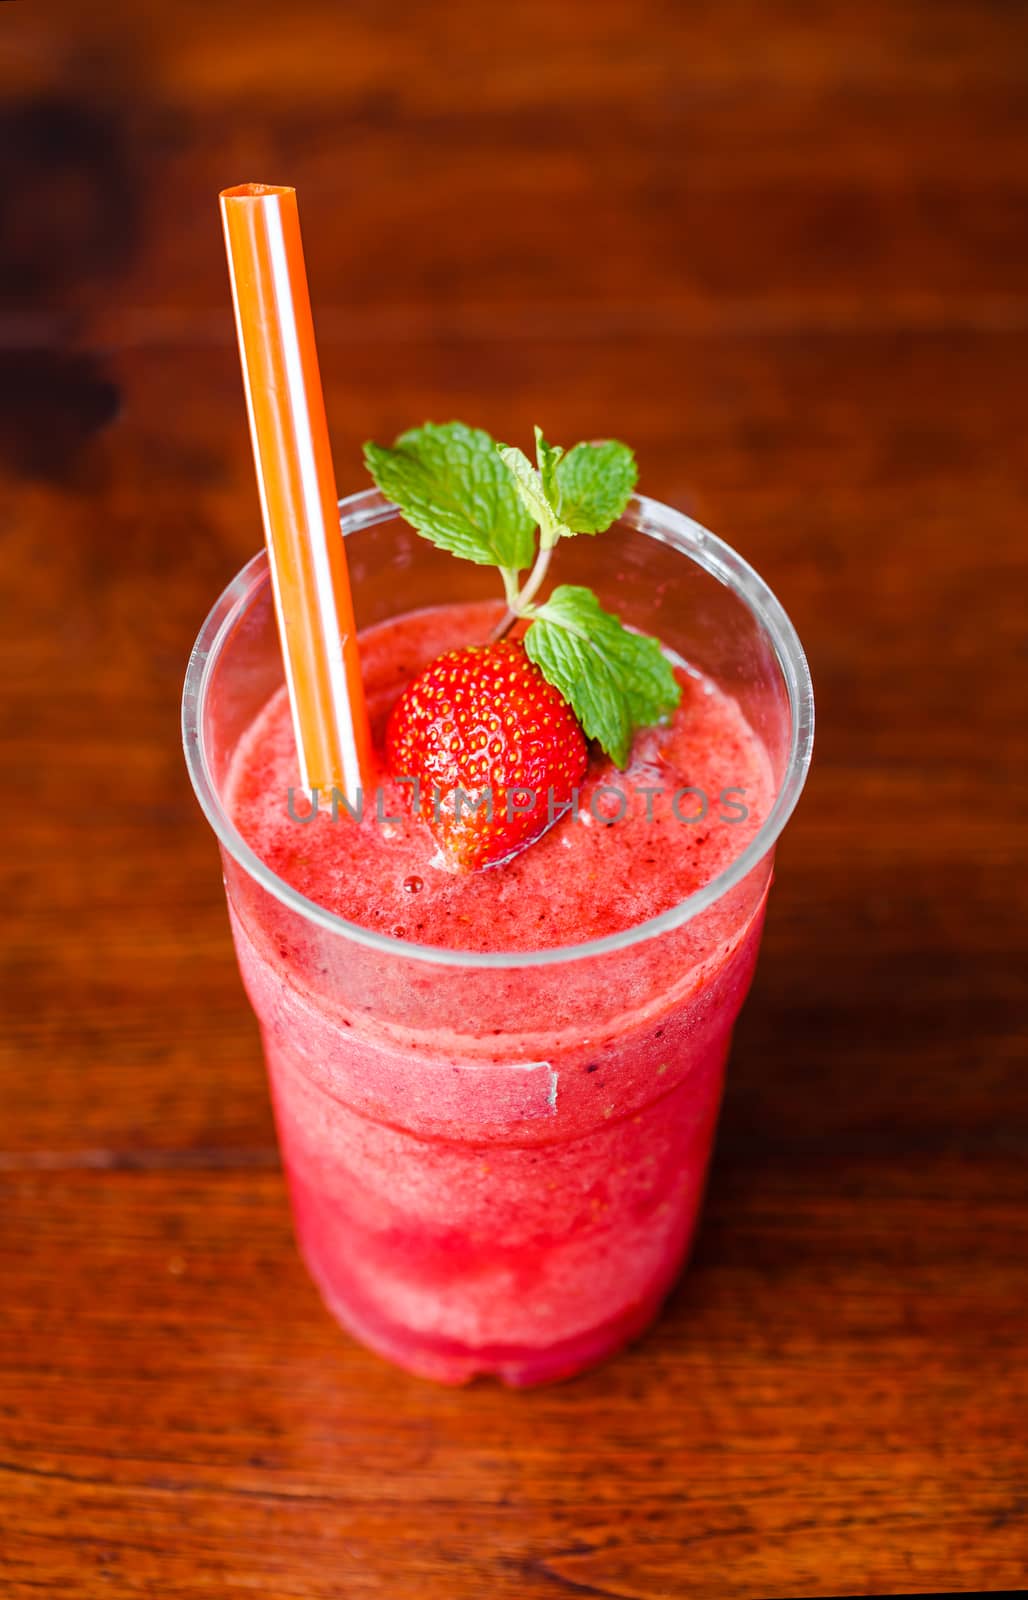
483 722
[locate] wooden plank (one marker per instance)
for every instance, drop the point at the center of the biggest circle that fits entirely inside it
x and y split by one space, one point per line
833 1394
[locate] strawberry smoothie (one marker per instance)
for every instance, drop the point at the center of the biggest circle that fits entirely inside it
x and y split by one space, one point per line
496 1089
500 1170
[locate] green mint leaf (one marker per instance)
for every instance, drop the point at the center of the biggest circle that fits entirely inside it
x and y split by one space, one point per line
615 681
546 458
595 482
529 485
451 485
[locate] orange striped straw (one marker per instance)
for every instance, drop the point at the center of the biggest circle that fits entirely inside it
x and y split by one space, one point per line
297 486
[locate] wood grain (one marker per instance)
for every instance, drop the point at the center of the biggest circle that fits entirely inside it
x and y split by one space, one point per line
782 251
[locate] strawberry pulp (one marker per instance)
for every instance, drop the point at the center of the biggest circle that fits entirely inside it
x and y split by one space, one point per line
507 1181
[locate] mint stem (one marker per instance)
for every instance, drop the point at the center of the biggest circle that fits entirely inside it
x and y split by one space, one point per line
534 581
519 601
504 626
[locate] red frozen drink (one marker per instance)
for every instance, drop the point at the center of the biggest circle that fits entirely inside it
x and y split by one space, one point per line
496 1091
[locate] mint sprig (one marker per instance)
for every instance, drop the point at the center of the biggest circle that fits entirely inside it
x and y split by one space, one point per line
482 502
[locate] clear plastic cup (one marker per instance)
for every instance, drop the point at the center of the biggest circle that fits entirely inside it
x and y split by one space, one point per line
496 1161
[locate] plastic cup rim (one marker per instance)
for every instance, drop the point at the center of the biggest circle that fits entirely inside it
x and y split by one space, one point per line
649 517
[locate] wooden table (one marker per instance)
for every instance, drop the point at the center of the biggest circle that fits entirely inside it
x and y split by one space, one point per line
782 250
